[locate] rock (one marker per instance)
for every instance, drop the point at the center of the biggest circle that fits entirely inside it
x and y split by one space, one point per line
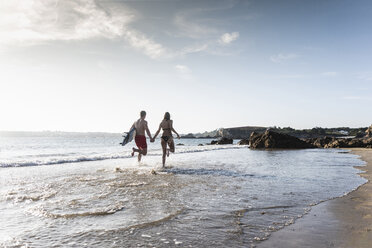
200 145
336 143
180 144
244 142
369 132
320 142
367 142
222 141
225 141
348 143
270 139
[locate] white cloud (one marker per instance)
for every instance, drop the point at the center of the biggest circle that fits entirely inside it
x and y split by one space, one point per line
195 24
193 49
149 47
182 69
279 58
227 38
34 22
192 28
37 21
40 21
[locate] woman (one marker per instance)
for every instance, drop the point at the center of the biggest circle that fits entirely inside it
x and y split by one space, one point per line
166 138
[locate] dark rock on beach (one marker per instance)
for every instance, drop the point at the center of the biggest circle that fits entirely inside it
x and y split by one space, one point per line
222 141
244 142
200 145
180 144
320 142
369 132
361 140
349 143
270 139
225 141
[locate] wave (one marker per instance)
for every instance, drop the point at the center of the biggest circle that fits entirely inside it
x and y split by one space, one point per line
40 211
60 161
95 157
214 172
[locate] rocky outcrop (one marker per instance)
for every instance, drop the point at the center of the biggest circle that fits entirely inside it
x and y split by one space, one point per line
222 141
320 142
369 132
244 142
328 142
349 143
270 139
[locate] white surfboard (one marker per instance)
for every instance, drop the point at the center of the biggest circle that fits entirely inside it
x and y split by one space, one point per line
128 137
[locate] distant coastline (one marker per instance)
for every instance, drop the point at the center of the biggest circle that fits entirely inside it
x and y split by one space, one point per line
242 132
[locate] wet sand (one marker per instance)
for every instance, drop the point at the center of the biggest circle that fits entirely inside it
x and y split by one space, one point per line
343 222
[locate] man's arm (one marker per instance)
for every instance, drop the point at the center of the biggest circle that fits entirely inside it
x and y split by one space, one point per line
157 132
148 131
178 136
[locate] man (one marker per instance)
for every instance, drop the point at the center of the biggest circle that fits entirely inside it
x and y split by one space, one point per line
140 138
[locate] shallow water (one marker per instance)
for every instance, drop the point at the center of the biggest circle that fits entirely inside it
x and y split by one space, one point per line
230 197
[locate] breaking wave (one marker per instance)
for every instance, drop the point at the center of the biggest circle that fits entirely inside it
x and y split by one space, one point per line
54 159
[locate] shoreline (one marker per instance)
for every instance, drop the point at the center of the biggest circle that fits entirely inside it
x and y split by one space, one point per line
345 221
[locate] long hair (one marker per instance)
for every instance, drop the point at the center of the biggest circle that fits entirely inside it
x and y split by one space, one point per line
167 116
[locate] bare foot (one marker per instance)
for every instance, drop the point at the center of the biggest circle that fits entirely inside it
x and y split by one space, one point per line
139 157
132 152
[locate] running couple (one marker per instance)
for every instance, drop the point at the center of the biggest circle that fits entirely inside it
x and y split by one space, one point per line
166 139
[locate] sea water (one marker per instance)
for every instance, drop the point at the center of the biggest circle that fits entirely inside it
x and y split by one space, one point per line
85 190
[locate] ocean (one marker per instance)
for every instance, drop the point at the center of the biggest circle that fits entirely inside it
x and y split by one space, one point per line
85 190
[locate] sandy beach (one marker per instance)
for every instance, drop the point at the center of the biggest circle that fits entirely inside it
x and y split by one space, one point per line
342 222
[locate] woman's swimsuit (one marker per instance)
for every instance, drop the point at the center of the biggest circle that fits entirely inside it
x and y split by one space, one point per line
164 137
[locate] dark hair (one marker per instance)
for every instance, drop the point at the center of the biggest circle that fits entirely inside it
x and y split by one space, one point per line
143 113
167 116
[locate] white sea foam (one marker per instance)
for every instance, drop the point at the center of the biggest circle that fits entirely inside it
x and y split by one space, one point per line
37 153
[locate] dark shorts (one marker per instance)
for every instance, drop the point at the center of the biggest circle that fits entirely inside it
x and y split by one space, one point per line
141 141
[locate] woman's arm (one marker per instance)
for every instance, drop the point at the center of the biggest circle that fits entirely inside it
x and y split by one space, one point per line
157 132
178 136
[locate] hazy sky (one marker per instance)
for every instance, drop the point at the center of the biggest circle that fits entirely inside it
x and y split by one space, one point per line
85 65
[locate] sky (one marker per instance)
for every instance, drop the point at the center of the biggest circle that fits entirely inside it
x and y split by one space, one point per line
93 65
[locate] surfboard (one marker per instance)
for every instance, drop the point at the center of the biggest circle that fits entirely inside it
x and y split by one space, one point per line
128 137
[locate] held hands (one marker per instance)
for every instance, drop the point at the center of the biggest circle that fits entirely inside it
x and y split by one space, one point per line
178 136
152 140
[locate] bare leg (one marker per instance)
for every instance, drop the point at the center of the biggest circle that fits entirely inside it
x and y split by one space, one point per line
139 157
164 146
140 153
